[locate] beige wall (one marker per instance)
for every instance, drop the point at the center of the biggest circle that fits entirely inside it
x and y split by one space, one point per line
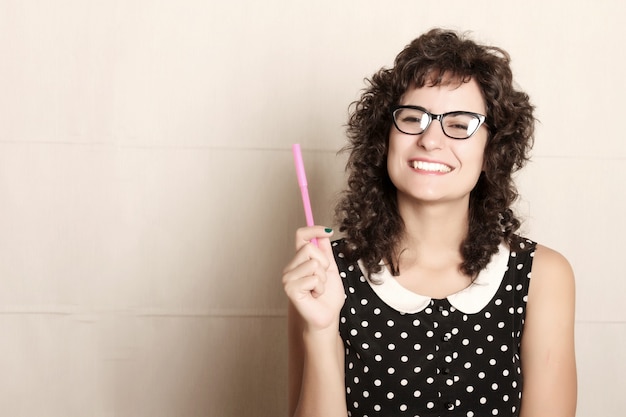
148 197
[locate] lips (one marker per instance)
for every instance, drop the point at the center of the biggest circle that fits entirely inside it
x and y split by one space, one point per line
430 166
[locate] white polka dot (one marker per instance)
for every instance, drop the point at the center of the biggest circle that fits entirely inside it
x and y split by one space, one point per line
416 322
483 400
391 346
430 333
481 375
430 380
417 370
378 358
390 323
494 386
364 323
490 338
467 365
417 346
404 382
390 395
365 346
377 311
479 351
430 405
377 382
377 407
404 358
477 327
378 335
504 348
417 394
492 362
366 394
403 407
354 332
470 389
391 371
465 342
404 335
363 302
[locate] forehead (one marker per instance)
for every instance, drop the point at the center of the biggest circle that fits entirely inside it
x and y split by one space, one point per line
450 94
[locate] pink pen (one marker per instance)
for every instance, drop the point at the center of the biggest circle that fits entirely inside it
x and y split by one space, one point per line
308 213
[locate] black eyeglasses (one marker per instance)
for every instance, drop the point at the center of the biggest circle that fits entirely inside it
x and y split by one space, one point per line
414 120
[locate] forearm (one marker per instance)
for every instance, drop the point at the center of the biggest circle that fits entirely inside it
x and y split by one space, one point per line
323 387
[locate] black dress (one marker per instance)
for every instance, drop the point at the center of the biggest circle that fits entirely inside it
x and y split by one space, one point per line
410 355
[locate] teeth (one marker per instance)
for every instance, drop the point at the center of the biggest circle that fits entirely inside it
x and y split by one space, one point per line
430 166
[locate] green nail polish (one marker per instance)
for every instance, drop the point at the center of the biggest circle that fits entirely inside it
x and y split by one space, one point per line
328 230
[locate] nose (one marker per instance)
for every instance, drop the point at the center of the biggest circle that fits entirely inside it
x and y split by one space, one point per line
433 137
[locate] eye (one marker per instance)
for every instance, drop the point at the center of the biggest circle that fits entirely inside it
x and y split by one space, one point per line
461 124
410 118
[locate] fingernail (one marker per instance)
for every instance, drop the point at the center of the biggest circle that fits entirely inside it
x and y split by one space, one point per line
328 230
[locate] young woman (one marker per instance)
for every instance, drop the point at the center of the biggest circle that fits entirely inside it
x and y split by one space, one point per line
432 305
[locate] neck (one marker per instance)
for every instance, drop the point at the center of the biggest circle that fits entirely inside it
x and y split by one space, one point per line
433 231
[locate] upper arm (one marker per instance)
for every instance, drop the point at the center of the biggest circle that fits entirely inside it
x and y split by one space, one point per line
547 351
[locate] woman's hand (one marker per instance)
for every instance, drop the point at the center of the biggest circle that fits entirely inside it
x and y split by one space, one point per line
311 280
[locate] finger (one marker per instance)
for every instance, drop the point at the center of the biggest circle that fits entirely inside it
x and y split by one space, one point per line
304 287
308 252
308 267
305 235
325 246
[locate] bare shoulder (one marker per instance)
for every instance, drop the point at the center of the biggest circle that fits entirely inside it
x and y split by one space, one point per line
551 271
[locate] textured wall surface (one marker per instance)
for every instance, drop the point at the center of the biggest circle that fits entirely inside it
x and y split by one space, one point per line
148 197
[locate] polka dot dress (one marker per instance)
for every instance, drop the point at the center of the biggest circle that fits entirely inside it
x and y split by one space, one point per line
446 359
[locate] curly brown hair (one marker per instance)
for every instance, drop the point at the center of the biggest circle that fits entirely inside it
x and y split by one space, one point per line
367 211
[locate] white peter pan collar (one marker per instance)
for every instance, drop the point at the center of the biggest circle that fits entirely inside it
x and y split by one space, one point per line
469 300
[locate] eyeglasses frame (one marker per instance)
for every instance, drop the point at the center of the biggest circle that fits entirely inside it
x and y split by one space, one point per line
439 117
